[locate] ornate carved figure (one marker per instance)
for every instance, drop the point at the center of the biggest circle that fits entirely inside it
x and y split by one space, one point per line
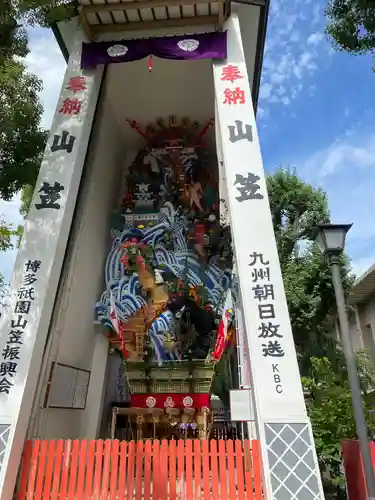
169 271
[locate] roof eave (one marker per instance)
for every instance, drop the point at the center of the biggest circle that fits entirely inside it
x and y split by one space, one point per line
60 41
264 6
363 288
261 40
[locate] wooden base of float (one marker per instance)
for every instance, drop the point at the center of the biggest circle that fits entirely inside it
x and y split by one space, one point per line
171 423
167 402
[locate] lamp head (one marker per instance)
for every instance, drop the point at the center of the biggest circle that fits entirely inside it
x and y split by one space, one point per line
330 238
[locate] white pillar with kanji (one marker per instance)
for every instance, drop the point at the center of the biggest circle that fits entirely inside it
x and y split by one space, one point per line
25 323
289 458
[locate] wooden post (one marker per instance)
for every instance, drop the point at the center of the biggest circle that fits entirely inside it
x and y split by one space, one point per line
140 421
113 422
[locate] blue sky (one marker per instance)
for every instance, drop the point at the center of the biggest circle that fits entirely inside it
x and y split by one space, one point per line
316 113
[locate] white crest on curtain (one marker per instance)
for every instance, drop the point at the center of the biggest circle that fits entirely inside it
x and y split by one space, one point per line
188 45
117 50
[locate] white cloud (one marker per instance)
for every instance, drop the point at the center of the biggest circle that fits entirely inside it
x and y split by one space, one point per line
260 113
345 171
343 154
360 266
45 61
315 38
294 45
265 91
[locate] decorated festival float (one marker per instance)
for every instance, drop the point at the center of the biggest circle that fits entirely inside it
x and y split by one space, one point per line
169 292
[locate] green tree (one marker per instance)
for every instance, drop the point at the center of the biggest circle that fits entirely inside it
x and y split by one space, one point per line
351 25
7 235
9 238
296 209
13 40
21 110
22 141
221 380
331 413
26 197
45 12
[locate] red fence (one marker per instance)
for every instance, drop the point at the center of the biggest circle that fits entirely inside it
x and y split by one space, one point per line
355 479
146 470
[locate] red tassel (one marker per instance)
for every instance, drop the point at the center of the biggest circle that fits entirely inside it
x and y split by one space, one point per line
150 63
134 125
206 128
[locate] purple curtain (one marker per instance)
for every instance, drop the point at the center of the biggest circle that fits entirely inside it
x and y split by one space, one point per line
202 46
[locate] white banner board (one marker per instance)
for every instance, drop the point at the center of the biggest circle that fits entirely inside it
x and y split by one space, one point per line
266 318
24 325
241 406
284 428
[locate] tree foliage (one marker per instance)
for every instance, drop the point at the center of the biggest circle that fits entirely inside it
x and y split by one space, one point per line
296 209
331 412
45 12
13 40
221 381
9 238
26 197
8 235
351 25
22 140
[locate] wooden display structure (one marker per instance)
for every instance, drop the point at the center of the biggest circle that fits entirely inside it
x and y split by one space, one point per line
191 382
155 423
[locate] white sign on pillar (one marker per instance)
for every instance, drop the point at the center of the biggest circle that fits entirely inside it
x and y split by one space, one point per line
24 324
289 459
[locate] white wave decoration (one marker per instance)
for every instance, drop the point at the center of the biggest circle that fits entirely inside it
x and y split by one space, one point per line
128 300
182 262
162 325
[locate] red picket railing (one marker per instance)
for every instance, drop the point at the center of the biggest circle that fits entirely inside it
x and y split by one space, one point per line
143 470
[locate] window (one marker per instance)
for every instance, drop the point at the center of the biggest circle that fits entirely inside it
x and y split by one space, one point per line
67 387
368 339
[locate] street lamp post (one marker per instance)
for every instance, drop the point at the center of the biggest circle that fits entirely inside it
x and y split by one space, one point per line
330 238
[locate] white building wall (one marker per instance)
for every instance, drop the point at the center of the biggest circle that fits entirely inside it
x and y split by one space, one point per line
76 340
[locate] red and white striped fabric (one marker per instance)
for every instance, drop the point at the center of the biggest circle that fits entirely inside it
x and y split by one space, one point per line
117 325
223 327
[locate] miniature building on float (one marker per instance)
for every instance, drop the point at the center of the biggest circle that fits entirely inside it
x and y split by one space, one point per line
149 251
